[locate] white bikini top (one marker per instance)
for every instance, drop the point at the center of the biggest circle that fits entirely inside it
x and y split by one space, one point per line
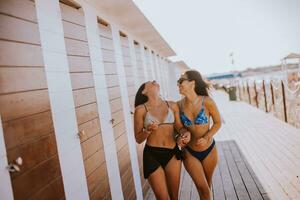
149 119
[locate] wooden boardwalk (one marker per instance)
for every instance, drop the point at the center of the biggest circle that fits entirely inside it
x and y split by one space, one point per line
259 156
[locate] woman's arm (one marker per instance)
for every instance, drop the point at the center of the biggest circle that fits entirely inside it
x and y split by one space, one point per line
139 132
177 124
214 113
184 135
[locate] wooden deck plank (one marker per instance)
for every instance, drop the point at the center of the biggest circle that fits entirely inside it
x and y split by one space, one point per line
186 187
218 189
181 179
248 180
194 192
238 183
225 175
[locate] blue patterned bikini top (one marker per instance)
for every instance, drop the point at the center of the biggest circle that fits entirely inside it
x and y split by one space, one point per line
200 119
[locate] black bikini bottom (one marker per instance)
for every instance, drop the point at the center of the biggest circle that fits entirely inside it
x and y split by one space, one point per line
153 157
201 155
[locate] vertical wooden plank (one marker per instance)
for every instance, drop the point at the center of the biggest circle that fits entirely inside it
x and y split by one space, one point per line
265 96
284 102
248 180
96 56
144 64
153 57
218 190
186 186
173 82
272 95
249 95
126 109
150 59
158 72
139 62
85 101
256 94
240 91
27 122
139 147
133 62
236 177
229 189
61 99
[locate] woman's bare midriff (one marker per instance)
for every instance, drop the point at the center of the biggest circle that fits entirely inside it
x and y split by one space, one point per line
198 131
162 137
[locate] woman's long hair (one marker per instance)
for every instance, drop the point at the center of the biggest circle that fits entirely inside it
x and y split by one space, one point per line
140 98
201 87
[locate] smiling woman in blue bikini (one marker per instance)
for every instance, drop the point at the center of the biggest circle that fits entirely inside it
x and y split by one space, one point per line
154 121
196 109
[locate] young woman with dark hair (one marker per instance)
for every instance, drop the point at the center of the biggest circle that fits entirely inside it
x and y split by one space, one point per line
155 121
196 109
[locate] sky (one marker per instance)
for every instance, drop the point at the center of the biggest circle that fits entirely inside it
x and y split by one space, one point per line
204 33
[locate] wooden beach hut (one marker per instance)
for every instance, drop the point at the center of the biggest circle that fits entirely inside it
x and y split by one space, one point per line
69 71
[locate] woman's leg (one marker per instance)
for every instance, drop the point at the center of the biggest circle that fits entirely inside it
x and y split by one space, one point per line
209 165
158 183
172 171
194 167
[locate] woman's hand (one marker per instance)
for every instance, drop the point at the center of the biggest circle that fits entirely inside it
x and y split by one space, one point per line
202 141
152 127
183 139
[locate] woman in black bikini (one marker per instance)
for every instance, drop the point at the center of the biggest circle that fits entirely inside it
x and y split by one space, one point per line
196 109
154 121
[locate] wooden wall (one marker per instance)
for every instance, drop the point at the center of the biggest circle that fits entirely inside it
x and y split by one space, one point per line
85 102
148 64
139 64
131 95
128 71
25 106
118 122
152 56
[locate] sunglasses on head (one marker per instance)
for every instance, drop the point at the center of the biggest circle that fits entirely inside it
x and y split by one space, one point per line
182 79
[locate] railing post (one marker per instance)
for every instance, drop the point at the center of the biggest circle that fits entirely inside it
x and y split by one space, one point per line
244 92
248 90
256 94
272 95
284 101
240 92
265 95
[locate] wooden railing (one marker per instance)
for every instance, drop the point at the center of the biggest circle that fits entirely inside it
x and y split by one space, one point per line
273 97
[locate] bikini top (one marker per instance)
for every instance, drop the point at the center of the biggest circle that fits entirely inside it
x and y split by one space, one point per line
200 119
149 119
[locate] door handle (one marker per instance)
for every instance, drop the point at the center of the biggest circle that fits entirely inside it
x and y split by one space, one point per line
112 121
81 134
15 166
